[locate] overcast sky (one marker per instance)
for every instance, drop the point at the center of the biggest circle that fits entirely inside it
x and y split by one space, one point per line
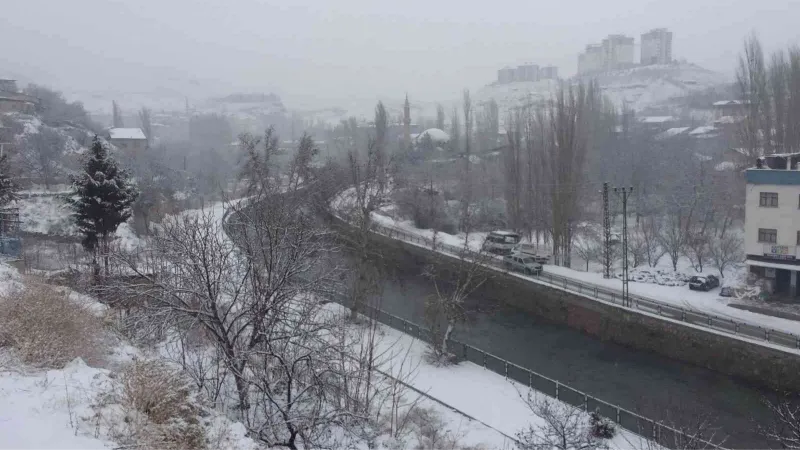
332 50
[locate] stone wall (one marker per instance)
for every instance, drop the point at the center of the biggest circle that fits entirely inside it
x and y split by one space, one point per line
754 363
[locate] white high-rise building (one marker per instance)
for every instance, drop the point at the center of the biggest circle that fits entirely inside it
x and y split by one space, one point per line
591 60
617 52
657 47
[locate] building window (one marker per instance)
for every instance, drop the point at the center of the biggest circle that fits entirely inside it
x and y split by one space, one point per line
768 199
768 235
798 238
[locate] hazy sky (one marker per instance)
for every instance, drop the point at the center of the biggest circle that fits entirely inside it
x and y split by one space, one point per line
329 50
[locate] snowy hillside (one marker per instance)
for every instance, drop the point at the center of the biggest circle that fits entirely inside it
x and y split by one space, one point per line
648 86
40 150
640 87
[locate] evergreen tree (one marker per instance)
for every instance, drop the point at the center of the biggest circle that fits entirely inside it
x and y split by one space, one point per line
8 189
102 200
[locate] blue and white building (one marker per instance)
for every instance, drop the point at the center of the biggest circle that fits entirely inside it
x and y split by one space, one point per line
772 221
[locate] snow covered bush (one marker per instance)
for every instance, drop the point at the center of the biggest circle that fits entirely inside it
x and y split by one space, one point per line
601 427
562 427
47 328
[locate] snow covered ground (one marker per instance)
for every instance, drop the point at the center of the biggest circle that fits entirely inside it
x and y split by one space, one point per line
490 398
46 215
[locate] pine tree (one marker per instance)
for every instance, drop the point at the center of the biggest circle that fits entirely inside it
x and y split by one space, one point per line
8 189
102 200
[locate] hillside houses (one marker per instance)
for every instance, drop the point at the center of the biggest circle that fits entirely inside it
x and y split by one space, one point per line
11 100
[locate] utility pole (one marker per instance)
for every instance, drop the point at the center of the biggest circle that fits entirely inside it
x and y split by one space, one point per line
606 235
626 301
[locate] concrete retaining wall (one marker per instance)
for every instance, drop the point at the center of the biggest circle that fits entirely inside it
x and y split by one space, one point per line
754 363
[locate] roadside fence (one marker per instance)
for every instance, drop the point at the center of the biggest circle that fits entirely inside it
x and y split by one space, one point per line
637 302
629 420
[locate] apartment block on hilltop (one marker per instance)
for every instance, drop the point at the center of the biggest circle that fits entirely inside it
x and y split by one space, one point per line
526 72
772 221
617 51
614 52
656 47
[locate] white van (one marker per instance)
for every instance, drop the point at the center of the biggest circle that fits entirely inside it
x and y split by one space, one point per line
501 242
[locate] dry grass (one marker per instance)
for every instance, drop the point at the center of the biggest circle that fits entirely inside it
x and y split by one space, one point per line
160 408
47 329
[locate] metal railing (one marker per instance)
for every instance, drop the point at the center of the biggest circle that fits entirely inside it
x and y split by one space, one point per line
629 420
636 302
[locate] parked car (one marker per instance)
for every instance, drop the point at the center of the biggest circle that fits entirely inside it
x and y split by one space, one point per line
501 242
530 250
703 282
521 263
727 291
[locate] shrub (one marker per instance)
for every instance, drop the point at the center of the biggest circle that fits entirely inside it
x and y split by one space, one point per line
161 407
47 329
601 427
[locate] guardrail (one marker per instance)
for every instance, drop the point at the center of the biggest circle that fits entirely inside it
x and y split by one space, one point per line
629 420
688 315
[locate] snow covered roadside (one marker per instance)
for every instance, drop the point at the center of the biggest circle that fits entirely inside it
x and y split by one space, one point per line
683 297
478 392
678 296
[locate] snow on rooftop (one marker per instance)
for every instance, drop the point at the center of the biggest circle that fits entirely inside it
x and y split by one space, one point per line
672 132
435 134
728 103
725 166
657 119
702 130
728 120
127 133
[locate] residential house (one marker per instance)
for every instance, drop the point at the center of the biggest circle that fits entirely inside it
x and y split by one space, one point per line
772 221
128 138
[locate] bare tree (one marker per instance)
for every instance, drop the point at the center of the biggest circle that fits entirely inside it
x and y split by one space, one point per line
43 153
455 131
258 160
564 427
146 123
649 228
370 190
440 117
116 115
725 250
785 425
466 181
752 81
454 278
571 118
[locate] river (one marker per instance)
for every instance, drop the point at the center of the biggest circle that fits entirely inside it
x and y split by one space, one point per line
639 381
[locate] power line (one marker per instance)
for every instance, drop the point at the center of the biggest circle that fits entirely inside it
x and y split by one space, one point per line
625 191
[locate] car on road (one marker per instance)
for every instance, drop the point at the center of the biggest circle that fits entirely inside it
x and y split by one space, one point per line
522 263
703 282
530 250
501 242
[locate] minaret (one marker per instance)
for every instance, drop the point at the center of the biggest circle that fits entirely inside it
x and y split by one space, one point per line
407 122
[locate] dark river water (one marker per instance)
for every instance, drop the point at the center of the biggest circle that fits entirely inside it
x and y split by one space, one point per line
652 385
